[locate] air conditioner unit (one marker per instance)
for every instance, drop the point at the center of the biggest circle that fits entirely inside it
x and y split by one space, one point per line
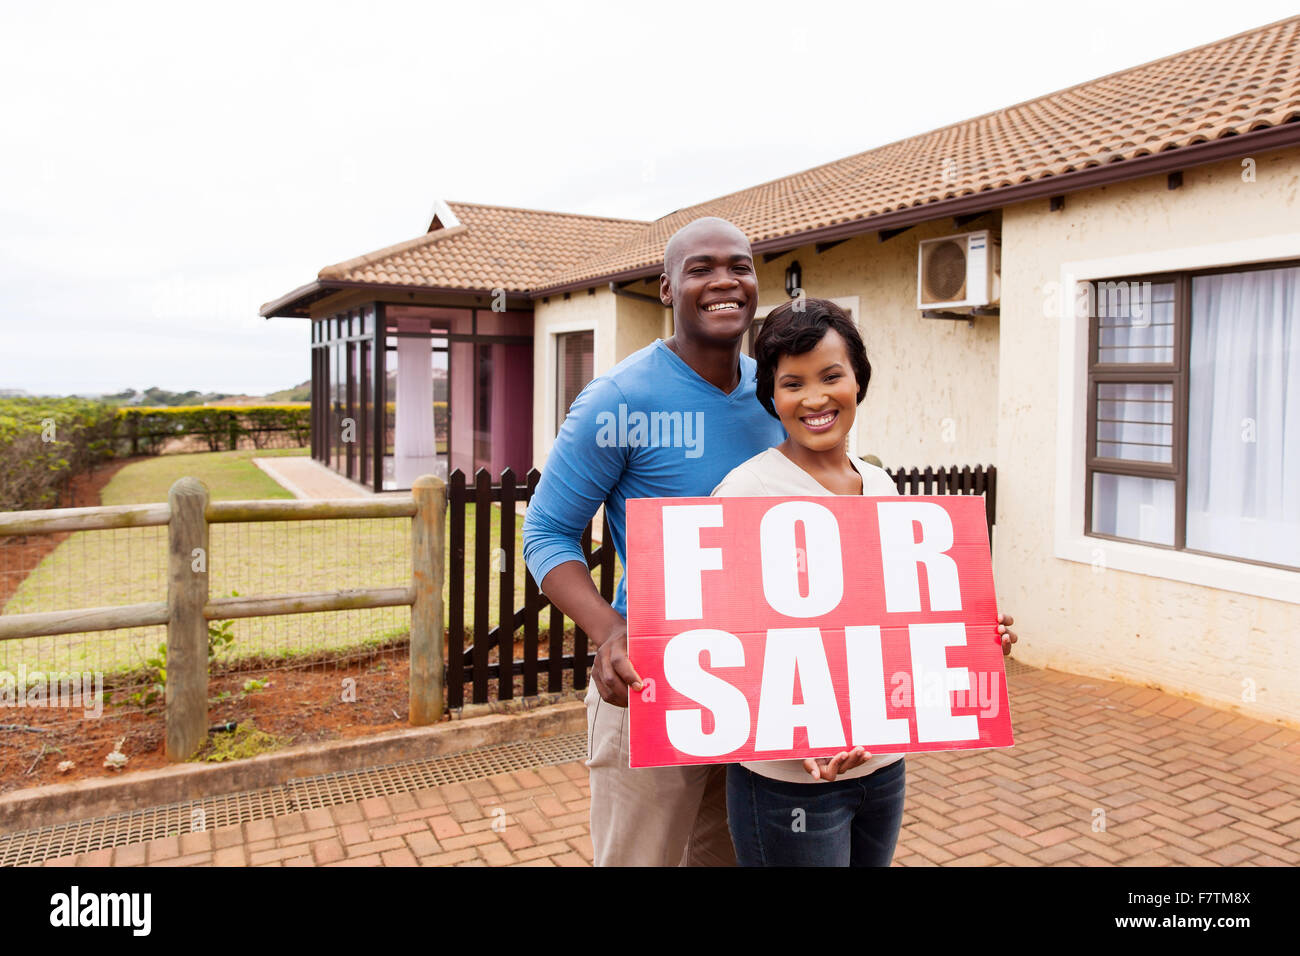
963 271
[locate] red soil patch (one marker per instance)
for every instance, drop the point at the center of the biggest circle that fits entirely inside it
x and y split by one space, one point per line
303 704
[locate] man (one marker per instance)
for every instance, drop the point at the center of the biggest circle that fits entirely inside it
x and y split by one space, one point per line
696 392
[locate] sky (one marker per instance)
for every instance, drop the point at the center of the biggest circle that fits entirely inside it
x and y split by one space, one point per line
167 168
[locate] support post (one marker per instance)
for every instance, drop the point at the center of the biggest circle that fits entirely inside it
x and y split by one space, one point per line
427 655
187 629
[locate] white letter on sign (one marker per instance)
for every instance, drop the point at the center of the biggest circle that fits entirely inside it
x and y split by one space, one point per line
825 563
868 723
684 559
901 553
730 707
778 714
934 717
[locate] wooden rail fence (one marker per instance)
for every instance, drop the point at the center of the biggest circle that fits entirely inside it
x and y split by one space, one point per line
187 515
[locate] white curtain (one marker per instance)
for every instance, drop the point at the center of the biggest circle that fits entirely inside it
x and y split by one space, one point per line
1243 460
1135 421
1131 507
414 449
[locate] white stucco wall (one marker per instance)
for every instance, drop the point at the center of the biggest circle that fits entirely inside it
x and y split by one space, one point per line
639 322
1090 618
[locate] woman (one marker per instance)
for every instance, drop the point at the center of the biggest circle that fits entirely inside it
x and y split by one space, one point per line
844 811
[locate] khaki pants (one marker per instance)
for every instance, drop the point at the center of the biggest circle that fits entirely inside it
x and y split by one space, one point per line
654 816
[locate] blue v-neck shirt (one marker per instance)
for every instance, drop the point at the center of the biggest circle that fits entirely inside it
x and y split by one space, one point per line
650 427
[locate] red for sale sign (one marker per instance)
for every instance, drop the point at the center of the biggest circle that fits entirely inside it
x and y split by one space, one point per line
771 628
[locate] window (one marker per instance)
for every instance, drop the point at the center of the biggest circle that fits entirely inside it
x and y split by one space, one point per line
574 357
1194 412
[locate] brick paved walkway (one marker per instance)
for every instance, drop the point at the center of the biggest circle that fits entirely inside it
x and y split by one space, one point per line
1101 774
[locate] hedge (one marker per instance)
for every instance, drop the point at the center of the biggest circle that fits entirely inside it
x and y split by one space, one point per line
44 442
144 430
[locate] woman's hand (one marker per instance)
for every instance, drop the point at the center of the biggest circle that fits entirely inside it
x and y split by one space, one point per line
821 768
1004 622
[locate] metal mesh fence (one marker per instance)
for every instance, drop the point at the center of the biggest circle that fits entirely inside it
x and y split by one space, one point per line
300 677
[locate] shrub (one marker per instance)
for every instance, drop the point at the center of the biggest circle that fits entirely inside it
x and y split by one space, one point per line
44 442
145 430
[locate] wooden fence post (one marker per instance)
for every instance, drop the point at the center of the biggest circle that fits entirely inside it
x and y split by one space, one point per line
426 690
187 629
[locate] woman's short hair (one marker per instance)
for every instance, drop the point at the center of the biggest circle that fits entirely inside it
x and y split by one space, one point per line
795 328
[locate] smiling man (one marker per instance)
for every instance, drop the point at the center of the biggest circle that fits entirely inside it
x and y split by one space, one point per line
670 815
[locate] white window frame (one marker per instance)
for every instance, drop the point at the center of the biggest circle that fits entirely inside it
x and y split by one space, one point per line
1071 543
552 353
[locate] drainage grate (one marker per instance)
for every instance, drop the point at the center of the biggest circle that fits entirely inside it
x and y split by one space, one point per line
309 793
1014 668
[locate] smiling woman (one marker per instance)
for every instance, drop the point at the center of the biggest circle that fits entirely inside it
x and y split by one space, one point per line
813 373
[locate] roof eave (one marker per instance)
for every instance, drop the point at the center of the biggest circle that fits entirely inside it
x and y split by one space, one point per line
281 307
276 308
1169 160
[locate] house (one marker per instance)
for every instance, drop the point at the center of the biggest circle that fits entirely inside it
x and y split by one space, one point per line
1136 380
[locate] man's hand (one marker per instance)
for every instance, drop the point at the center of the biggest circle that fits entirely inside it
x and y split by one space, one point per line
1004 622
821 768
570 588
612 671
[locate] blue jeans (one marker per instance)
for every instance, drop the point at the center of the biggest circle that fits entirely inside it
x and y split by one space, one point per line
842 823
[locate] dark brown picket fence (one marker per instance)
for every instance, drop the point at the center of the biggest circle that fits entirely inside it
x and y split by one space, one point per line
980 480
470 663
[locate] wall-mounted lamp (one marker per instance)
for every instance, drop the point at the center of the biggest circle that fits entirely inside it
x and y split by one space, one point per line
793 280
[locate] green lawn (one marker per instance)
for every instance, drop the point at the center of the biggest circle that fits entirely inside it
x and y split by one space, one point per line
126 566
229 475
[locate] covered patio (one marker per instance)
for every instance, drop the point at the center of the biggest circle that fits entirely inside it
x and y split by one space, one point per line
401 389
451 387
422 356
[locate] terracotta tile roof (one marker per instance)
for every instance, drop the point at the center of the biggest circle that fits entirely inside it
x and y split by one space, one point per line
494 247
1243 83
1225 88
